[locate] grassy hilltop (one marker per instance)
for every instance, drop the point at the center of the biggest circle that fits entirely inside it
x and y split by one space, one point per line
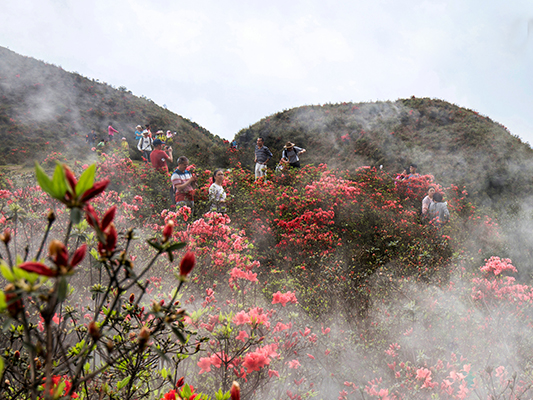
456 145
44 108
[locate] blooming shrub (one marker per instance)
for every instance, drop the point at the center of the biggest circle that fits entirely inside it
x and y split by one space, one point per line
315 282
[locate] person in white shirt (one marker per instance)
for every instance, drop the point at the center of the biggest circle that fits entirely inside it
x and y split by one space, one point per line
427 201
217 195
145 146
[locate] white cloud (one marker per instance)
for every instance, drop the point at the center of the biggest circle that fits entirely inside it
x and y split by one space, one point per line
245 60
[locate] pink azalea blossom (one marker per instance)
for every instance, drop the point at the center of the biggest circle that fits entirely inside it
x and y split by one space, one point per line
294 364
242 336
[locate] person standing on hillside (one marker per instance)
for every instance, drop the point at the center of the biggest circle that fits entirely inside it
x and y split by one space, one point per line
138 132
183 182
91 138
125 147
217 194
412 173
145 146
426 202
160 135
262 155
438 211
159 157
111 132
290 155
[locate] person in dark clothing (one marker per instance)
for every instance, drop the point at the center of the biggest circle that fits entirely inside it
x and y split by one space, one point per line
290 155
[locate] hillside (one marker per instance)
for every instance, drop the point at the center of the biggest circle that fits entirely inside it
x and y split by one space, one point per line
456 145
45 109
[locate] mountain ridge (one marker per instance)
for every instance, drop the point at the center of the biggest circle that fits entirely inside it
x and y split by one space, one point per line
43 107
456 145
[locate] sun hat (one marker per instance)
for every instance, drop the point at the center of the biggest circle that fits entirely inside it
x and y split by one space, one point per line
289 145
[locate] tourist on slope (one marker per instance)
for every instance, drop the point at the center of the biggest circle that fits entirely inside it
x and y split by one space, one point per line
100 147
160 135
262 155
290 155
111 132
184 182
138 132
159 157
125 147
145 146
91 138
438 211
412 173
217 195
427 201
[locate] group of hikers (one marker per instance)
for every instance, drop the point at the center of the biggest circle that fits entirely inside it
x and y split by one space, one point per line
100 143
184 181
155 150
289 157
434 208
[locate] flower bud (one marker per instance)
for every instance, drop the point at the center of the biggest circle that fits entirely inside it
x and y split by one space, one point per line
110 346
55 247
6 236
51 217
180 382
167 231
187 263
143 337
94 331
14 303
235 391
132 297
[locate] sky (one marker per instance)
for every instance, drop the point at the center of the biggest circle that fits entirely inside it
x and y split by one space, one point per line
227 64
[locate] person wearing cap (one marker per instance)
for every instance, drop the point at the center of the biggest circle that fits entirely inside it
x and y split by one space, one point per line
262 155
160 135
159 157
145 146
138 132
290 155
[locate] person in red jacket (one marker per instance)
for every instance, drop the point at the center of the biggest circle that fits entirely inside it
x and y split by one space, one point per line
159 157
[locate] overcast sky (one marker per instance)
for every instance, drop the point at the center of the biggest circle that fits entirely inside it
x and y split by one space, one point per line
227 64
